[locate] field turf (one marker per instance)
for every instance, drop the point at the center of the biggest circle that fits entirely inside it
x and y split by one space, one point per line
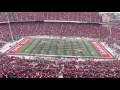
58 47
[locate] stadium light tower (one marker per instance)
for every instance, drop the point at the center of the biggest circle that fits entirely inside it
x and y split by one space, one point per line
9 27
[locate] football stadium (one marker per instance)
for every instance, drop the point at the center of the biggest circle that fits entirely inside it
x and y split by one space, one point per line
59 45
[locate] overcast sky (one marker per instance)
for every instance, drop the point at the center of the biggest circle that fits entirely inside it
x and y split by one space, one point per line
109 12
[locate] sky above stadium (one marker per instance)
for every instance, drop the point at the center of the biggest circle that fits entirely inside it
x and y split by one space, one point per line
109 12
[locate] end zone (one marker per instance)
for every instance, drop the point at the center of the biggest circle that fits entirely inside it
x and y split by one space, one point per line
18 46
100 49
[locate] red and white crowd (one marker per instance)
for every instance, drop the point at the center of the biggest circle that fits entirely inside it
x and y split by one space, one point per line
114 38
54 29
14 67
41 16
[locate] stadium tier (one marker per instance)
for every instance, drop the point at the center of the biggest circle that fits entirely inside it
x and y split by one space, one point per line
55 29
114 37
40 16
13 67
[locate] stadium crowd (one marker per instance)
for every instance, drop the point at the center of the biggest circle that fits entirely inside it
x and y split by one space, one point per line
32 27
14 67
113 39
41 16
54 29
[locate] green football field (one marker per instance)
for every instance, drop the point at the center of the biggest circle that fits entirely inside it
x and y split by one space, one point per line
58 47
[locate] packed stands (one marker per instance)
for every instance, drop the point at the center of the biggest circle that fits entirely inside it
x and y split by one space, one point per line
40 16
54 29
5 32
14 67
114 38
32 27
3 17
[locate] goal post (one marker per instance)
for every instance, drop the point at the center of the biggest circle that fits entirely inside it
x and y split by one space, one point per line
10 27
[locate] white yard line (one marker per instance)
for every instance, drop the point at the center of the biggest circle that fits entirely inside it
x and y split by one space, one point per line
85 48
54 55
